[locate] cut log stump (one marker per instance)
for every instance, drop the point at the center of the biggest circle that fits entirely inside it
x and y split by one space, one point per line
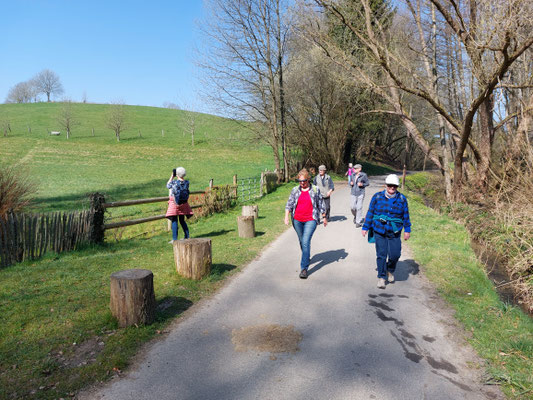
132 297
193 257
250 210
246 226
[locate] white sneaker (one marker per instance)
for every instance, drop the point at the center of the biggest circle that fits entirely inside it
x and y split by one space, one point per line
390 277
381 283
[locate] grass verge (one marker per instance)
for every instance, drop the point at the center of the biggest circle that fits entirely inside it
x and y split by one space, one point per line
57 334
501 333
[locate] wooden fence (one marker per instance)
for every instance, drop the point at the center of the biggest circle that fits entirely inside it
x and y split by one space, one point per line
29 236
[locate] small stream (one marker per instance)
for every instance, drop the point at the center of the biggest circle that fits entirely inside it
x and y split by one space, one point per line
497 273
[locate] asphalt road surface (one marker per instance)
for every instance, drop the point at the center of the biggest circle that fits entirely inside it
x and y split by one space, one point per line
270 335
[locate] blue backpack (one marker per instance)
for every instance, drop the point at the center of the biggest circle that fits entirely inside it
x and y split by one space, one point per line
181 191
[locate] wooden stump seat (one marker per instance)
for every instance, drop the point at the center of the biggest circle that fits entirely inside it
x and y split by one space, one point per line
193 257
246 226
250 210
132 299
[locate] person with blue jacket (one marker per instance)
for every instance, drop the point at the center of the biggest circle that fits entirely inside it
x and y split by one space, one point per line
388 214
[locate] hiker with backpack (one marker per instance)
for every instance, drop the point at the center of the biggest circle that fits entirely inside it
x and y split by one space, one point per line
388 214
305 205
178 206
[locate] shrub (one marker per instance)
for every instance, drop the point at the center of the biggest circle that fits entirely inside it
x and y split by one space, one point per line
15 191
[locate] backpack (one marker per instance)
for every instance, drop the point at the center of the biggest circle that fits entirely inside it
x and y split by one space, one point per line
181 192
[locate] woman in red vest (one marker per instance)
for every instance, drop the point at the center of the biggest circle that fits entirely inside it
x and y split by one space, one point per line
305 204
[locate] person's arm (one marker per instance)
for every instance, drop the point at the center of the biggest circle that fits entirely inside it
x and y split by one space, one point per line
287 219
369 216
291 204
406 221
366 182
169 183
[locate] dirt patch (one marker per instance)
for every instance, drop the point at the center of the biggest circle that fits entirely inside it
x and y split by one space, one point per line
267 338
81 354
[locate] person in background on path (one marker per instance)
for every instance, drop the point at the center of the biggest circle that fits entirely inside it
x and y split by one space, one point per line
325 184
387 215
349 173
176 209
305 205
357 194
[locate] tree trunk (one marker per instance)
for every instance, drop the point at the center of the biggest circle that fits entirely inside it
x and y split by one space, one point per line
132 299
193 257
246 226
485 142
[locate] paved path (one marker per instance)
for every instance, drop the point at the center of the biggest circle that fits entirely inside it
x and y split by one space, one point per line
357 341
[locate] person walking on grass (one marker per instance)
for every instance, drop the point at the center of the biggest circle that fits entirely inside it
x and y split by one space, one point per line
325 184
357 194
387 215
178 202
305 205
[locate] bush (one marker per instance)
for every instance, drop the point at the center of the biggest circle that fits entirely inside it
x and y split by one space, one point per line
15 191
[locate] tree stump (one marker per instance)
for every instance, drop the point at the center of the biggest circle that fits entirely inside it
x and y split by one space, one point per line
250 210
193 257
246 225
132 297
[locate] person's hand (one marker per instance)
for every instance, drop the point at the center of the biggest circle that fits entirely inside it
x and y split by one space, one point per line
329 193
286 220
325 222
363 232
351 183
360 184
406 235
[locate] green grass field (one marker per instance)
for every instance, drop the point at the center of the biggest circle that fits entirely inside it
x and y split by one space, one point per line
64 171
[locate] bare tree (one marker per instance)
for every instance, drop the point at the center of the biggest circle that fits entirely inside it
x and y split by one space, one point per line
245 66
48 82
22 92
116 119
66 117
493 37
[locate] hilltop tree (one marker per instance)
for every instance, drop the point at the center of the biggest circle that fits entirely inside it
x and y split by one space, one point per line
22 92
48 82
116 119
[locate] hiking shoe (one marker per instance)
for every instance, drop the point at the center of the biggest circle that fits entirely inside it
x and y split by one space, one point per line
381 283
303 274
390 277
358 225
354 220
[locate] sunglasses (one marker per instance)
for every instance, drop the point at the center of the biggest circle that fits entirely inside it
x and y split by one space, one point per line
392 186
302 180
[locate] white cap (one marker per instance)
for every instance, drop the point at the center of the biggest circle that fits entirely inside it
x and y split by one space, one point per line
392 179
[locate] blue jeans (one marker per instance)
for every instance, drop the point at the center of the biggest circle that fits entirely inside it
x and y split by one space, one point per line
174 226
305 231
388 251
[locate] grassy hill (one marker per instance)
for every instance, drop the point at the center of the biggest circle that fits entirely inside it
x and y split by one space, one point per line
64 171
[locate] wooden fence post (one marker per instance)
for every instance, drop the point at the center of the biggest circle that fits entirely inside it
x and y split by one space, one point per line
211 183
97 229
235 187
262 184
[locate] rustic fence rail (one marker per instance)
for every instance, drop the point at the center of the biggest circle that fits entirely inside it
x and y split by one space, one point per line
29 236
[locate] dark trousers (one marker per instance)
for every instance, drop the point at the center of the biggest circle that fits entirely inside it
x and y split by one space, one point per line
327 203
174 226
388 251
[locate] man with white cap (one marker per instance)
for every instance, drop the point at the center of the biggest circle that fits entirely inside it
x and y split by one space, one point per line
388 214
357 194
325 184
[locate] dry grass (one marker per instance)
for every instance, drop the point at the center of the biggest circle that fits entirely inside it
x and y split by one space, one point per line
15 191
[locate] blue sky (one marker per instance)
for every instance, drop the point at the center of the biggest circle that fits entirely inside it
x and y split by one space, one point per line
138 52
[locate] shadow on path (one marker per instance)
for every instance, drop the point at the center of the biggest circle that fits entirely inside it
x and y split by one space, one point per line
326 258
335 218
404 268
